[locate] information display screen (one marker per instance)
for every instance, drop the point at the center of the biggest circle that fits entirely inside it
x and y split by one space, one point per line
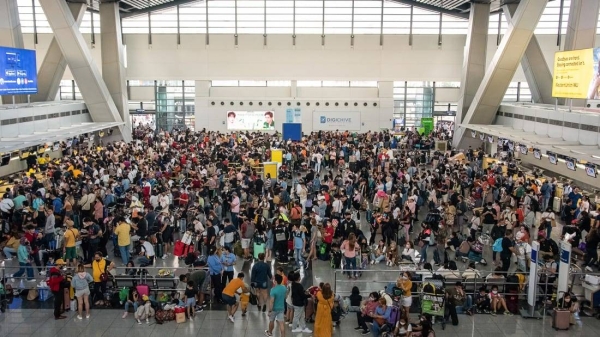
18 71
250 120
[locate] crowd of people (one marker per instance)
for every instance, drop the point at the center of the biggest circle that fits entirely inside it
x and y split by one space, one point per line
139 198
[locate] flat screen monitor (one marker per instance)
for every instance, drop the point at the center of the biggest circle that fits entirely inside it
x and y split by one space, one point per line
5 159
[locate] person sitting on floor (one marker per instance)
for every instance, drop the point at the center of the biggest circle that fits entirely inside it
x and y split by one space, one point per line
471 272
569 302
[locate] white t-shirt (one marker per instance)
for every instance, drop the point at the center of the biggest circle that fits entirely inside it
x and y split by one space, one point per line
403 329
148 248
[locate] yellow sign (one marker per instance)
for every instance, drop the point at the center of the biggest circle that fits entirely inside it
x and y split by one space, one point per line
576 74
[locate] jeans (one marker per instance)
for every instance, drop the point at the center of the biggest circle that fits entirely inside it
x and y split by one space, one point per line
545 202
124 254
468 305
377 259
234 219
7 251
99 291
145 261
423 253
363 320
24 267
351 266
298 321
135 306
487 228
375 329
298 257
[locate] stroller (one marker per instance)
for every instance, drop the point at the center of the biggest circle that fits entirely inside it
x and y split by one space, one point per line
433 299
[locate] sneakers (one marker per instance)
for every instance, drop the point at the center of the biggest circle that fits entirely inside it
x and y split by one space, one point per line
79 317
125 315
297 330
358 328
147 321
588 268
42 273
231 318
268 334
264 308
164 257
508 313
372 261
139 322
307 330
87 317
493 313
365 332
31 280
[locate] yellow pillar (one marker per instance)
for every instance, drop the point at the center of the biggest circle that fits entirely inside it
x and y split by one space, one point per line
271 168
277 155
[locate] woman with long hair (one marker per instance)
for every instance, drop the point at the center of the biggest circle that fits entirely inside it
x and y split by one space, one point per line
81 283
350 247
323 322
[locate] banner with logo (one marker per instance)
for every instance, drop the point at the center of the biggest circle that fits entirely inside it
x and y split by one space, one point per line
590 170
571 163
552 158
537 153
250 120
523 148
336 120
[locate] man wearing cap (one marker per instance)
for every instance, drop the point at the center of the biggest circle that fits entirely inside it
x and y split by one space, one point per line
147 253
55 280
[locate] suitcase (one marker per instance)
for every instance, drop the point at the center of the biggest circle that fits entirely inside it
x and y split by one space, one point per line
556 204
67 299
309 310
512 302
258 248
179 248
158 249
560 319
143 289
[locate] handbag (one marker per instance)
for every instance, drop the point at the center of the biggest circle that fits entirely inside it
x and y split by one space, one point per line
104 277
32 294
253 299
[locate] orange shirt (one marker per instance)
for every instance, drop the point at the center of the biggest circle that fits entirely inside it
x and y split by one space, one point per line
233 286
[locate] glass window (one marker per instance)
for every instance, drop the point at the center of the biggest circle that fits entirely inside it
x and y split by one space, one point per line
308 83
370 84
253 83
336 83
279 83
224 83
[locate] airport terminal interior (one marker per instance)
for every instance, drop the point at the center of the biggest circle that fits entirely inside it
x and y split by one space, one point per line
455 143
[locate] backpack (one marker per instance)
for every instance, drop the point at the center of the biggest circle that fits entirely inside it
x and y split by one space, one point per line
497 247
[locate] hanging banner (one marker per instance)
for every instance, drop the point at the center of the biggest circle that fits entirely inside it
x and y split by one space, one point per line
481 136
571 163
537 153
511 146
552 157
576 74
491 139
473 134
590 170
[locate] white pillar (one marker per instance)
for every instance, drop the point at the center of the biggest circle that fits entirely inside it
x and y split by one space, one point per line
10 35
385 104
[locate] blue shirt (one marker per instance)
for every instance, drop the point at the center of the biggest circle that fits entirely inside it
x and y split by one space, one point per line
58 205
278 295
298 240
228 259
214 265
386 314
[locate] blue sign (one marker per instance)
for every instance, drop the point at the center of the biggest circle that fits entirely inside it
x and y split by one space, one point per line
289 115
534 255
565 256
18 71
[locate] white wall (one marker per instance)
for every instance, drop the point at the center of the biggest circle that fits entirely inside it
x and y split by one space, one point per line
373 117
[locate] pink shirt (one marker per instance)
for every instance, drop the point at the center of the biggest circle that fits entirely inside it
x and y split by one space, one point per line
235 205
348 252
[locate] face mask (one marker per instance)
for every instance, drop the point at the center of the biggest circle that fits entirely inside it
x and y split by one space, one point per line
495 292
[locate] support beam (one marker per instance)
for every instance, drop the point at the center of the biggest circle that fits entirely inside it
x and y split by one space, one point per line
475 57
113 58
503 66
534 66
10 35
583 21
79 59
581 30
54 65
167 5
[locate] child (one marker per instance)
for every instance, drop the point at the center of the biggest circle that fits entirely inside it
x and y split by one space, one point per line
482 301
190 298
245 299
336 256
144 311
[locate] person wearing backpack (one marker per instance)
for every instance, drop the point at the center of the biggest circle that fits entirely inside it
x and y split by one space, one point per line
55 282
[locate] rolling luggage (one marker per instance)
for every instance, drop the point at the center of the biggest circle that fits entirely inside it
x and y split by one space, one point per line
512 301
179 248
158 249
309 310
258 248
560 319
556 204
143 288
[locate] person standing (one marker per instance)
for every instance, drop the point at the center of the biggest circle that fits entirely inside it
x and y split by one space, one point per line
281 241
299 245
235 209
80 283
100 269
277 307
215 268
123 238
259 280
69 243
94 233
323 321
55 281
299 300
228 261
507 250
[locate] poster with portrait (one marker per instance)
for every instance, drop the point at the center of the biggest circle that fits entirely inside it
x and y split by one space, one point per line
251 120
537 153
571 163
552 158
590 170
523 149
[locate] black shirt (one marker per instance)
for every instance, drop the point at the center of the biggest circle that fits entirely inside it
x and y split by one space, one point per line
142 226
489 218
506 245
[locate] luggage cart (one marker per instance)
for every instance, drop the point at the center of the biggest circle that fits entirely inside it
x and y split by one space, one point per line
433 299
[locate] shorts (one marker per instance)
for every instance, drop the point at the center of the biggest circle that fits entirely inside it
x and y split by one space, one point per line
263 285
70 253
276 316
406 301
245 243
190 302
229 300
82 292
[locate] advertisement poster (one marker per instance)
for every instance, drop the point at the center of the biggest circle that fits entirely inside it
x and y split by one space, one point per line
523 148
491 139
336 120
552 158
427 125
571 163
398 124
18 71
537 153
473 134
576 74
433 304
250 120
590 170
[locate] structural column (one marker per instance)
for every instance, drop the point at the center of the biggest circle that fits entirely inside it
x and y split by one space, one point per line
79 59
53 68
474 59
10 31
386 104
503 66
534 66
204 119
581 29
113 58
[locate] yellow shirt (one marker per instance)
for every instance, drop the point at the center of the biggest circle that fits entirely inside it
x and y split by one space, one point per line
122 232
233 286
76 173
97 269
41 161
70 237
